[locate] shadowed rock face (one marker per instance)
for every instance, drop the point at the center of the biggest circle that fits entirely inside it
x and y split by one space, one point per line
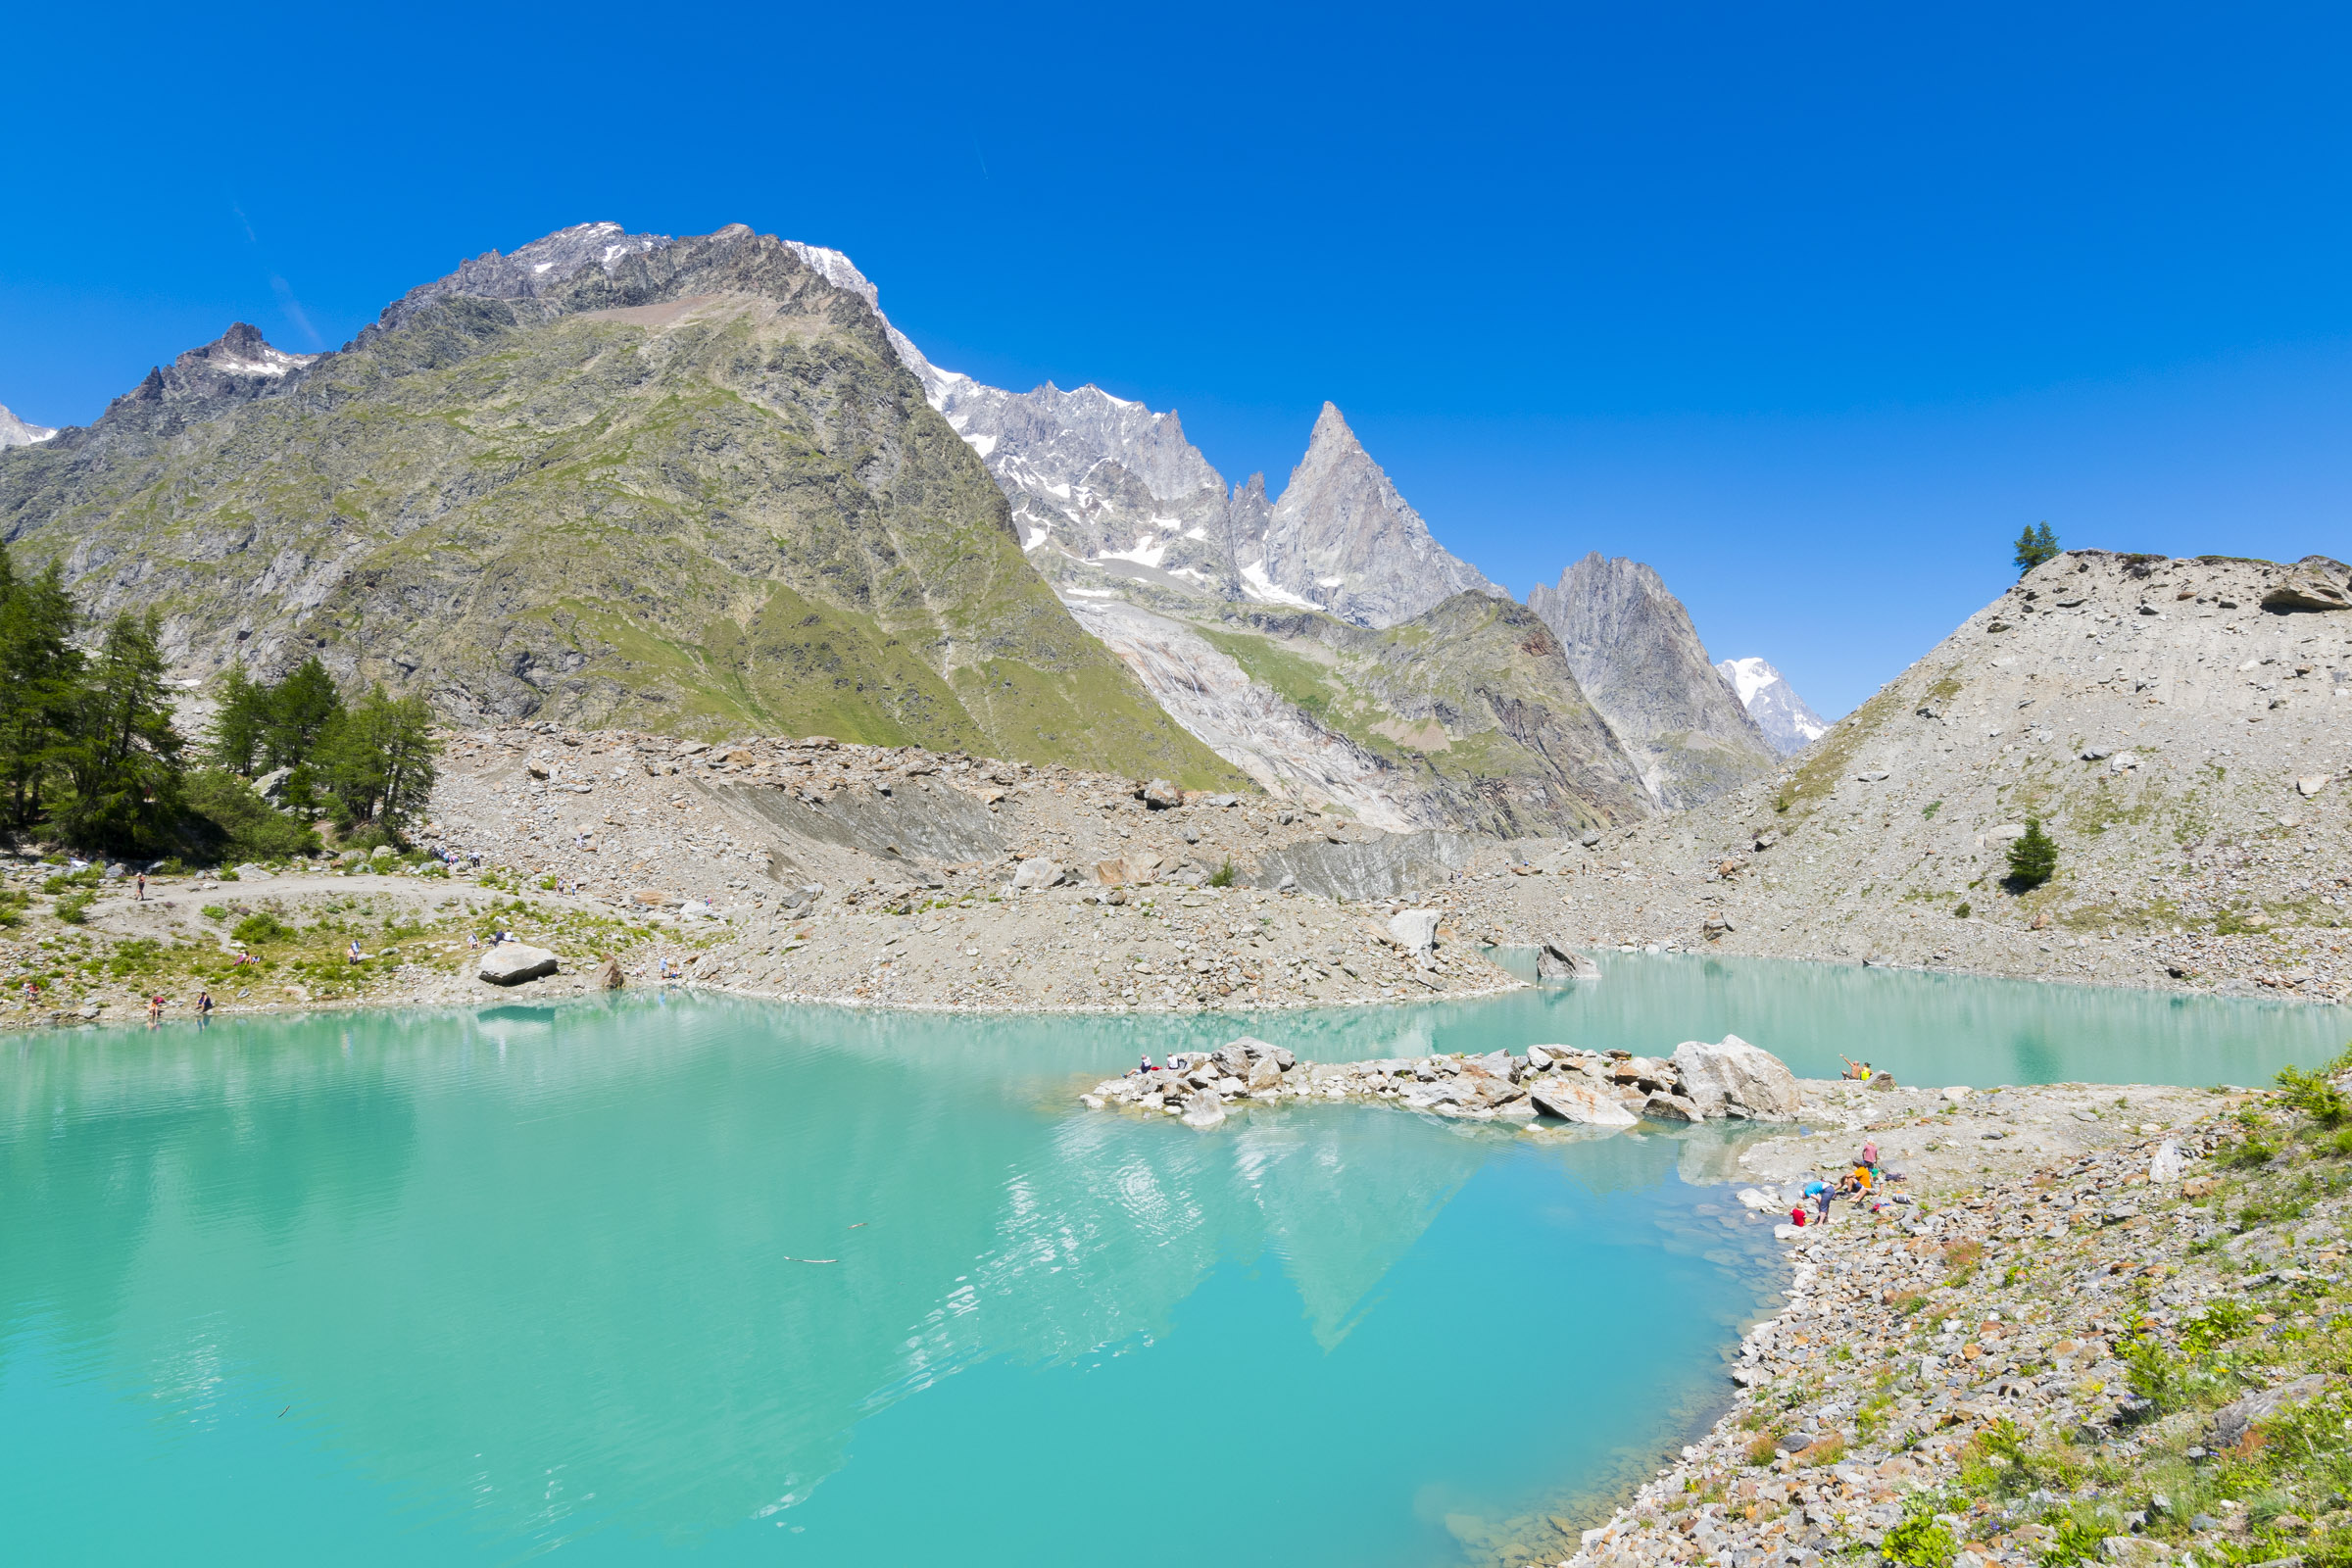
1640 661
684 484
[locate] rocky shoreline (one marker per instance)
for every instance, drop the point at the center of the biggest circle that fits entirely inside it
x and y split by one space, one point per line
2129 1346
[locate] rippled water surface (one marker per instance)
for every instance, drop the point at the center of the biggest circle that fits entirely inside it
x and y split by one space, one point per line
687 1276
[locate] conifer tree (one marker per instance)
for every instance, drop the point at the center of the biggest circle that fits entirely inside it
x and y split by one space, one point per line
300 710
121 760
40 670
377 762
238 727
2033 858
2033 547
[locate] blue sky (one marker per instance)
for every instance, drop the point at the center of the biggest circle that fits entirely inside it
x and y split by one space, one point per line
1811 308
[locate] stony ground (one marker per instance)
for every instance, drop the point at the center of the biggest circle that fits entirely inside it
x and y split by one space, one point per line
2117 1332
820 872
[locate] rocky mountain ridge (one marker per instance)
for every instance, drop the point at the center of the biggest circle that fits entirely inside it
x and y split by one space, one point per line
1106 482
1785 717
682 480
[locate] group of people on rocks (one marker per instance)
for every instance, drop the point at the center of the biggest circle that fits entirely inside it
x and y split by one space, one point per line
1867 1184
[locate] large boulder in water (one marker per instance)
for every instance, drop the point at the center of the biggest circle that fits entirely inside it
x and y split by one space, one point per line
1734 1078
1204 1110
1556 962
1580 1100
510 963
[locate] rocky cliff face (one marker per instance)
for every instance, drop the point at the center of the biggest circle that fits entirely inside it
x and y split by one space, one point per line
685 484
1783 716
1641 662
15 432
1342 539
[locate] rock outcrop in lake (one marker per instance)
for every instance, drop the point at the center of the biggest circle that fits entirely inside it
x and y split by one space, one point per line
1605 1089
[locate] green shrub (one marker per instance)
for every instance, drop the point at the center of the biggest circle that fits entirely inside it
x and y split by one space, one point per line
2214 1327
214 911
1962 912
2077 1542
261 926
2155 1375
1223 878
2245 1154
1919 1539
2313 1096
74 907
12 905
89 876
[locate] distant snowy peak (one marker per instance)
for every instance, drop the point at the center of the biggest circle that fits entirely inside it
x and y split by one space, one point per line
15 432
241 350
237 367
1783 716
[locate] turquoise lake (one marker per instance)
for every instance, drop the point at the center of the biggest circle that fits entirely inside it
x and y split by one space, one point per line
482 1287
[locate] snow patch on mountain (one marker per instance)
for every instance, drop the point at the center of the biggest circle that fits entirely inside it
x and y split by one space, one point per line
16 432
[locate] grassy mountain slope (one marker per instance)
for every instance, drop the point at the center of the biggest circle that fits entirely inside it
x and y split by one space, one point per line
1470 702
697 494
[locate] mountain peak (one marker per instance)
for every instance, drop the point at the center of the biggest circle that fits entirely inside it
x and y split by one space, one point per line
541 265
1342 539
1332 429
242 351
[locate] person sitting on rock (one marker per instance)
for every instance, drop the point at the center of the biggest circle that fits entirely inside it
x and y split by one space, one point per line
1143 1066
1855 1071
1796 1216
353 954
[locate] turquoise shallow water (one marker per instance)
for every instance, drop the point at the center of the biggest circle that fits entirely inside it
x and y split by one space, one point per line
474 1288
